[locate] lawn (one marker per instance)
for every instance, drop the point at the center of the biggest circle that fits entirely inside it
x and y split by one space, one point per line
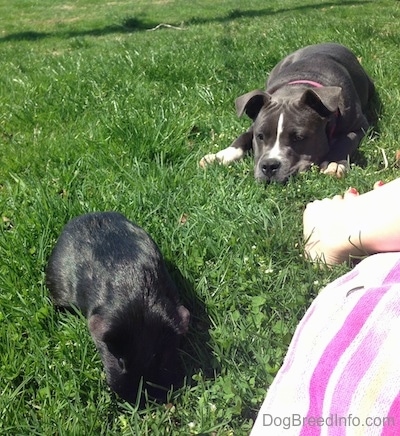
103 108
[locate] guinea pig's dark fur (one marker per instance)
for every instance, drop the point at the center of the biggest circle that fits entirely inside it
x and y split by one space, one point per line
115 274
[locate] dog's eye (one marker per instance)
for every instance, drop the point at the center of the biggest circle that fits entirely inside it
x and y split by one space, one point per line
260 136
296 137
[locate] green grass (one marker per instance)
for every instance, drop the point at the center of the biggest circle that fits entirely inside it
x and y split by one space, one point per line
97 112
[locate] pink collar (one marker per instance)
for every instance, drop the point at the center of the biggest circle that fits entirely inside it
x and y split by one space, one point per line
306 82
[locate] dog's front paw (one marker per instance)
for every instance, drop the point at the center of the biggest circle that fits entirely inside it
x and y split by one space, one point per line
207 159
224 157
336 169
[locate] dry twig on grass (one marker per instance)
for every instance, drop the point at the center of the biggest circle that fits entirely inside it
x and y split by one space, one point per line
168 26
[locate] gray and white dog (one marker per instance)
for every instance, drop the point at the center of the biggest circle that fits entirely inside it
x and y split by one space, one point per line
312 112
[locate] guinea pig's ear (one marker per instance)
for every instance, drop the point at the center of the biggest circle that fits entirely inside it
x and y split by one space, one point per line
98 327
182 318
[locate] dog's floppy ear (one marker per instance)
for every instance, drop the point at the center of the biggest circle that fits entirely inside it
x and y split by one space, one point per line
251 103
324 101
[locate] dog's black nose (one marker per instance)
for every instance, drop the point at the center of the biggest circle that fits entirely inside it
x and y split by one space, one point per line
270 166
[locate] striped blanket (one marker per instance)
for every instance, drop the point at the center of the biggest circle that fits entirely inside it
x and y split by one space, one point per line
341 375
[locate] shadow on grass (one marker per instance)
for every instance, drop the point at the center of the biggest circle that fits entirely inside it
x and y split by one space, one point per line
133 24
374 113
195 347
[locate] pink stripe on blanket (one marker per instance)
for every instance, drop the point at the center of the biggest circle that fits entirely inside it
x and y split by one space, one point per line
292 351
329 359
394 274
392 425
298 334
346 278
351 376
361 360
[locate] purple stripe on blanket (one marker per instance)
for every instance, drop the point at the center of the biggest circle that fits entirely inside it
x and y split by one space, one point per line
392 425
329 359
357 366
298 334
346 278
291 355
394 274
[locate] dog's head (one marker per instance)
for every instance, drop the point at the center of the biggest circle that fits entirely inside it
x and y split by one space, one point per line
289 128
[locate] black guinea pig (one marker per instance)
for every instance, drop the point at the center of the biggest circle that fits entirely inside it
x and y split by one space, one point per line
114 273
